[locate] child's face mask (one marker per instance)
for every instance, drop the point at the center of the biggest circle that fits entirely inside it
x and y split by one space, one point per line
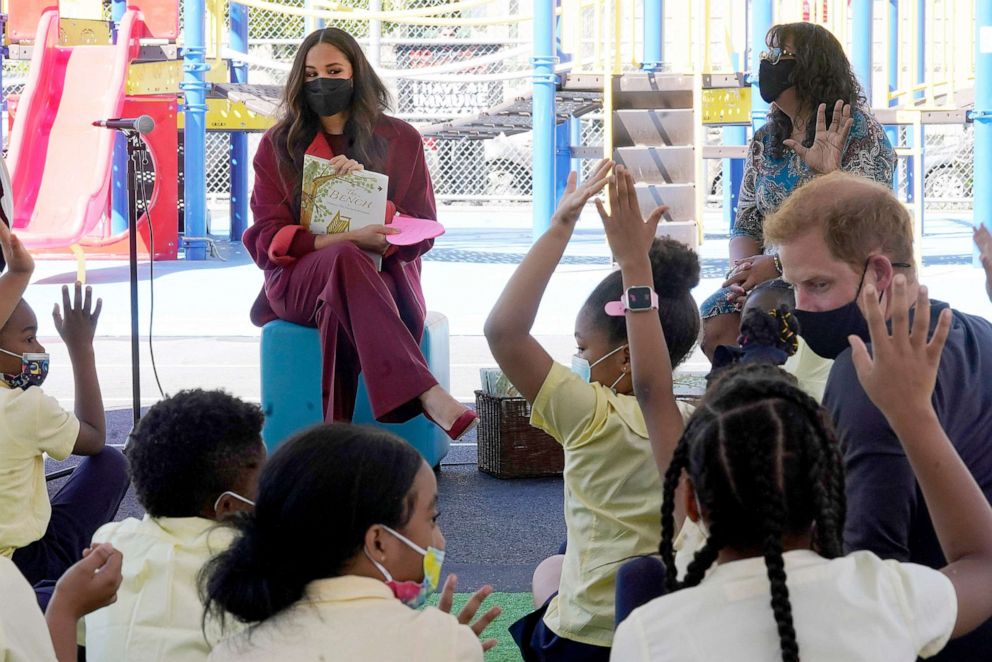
34 369
414 594
583 368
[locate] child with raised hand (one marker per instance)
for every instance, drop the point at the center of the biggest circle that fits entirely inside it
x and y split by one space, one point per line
87 585
194 460
765 480
612 486
44 537
342 549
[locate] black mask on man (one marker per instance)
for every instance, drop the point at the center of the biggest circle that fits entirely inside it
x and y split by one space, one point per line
773 79
826 332
328 96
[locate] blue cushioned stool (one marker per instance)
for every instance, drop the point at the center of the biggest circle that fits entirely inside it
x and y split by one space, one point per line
291 397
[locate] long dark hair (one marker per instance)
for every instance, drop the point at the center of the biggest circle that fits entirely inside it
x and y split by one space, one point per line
675 271
823 74
764 462
298 125
317 497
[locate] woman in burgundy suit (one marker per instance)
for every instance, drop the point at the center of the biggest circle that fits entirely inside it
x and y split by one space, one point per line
370 322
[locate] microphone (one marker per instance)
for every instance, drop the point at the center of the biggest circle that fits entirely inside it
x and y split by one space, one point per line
140 125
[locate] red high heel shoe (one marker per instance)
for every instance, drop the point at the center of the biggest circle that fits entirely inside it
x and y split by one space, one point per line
462 425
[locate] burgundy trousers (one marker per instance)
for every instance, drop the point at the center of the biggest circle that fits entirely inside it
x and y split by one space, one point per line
338 290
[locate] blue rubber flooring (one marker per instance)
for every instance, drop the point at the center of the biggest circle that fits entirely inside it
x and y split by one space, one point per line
497 531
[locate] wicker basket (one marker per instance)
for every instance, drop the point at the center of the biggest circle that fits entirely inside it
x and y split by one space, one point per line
509 446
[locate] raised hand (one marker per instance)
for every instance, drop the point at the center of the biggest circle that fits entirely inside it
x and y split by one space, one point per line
76 323
984 241
900 375
576 196
827 150
470 609
627 231
18 259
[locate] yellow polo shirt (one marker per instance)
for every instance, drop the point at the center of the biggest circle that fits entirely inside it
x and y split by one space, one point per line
353 618
158 613
810 369
31 424
23 633
612 497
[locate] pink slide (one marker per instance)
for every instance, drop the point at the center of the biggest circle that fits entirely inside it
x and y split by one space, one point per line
60 163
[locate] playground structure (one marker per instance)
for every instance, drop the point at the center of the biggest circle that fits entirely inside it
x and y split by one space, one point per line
539 69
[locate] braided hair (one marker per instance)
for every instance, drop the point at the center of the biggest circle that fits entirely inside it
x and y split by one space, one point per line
776 327
764 462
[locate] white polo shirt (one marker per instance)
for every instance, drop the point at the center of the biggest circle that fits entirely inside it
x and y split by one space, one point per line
353 618
23 634
854 608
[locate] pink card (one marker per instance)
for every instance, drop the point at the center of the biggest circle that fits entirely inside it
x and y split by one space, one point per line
413 230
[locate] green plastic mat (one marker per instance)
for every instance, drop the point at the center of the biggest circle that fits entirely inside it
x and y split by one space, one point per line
515 606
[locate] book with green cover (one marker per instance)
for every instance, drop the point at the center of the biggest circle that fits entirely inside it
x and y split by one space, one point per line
333 203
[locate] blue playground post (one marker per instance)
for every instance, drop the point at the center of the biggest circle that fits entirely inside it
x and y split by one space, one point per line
575 138
563 156
195 134
118 170
544 81
893 57
238 38
733 169
983 118
654 20
919 77
861 43
760 23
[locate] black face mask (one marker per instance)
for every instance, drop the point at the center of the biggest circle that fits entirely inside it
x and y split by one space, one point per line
826 332
328 96
773 79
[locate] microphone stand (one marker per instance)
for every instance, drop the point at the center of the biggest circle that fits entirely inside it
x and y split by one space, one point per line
137 154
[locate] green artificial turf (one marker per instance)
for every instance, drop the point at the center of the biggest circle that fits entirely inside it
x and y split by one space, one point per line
515 606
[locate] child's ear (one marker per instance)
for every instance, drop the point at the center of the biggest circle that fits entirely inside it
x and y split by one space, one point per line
373 542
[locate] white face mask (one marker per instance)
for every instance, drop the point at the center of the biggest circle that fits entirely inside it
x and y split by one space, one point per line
236 496
583 368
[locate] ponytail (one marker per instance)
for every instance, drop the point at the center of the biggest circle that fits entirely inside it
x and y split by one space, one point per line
242 583
317 497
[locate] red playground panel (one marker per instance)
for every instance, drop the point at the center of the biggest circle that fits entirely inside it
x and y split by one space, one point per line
161 18
23 17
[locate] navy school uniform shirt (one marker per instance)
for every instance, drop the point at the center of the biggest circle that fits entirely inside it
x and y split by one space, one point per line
886 513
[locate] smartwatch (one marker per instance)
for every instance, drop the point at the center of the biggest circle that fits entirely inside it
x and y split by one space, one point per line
636 299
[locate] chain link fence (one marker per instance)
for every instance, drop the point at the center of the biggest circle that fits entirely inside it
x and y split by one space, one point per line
466 69
439 72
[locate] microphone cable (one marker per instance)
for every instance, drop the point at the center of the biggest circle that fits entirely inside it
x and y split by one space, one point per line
142 175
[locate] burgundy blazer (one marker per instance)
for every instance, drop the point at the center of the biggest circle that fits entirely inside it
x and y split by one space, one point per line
276 239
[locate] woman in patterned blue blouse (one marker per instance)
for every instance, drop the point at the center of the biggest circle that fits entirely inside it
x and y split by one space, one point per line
819 122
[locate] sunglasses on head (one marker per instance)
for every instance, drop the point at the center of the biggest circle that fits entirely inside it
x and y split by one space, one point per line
774 55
